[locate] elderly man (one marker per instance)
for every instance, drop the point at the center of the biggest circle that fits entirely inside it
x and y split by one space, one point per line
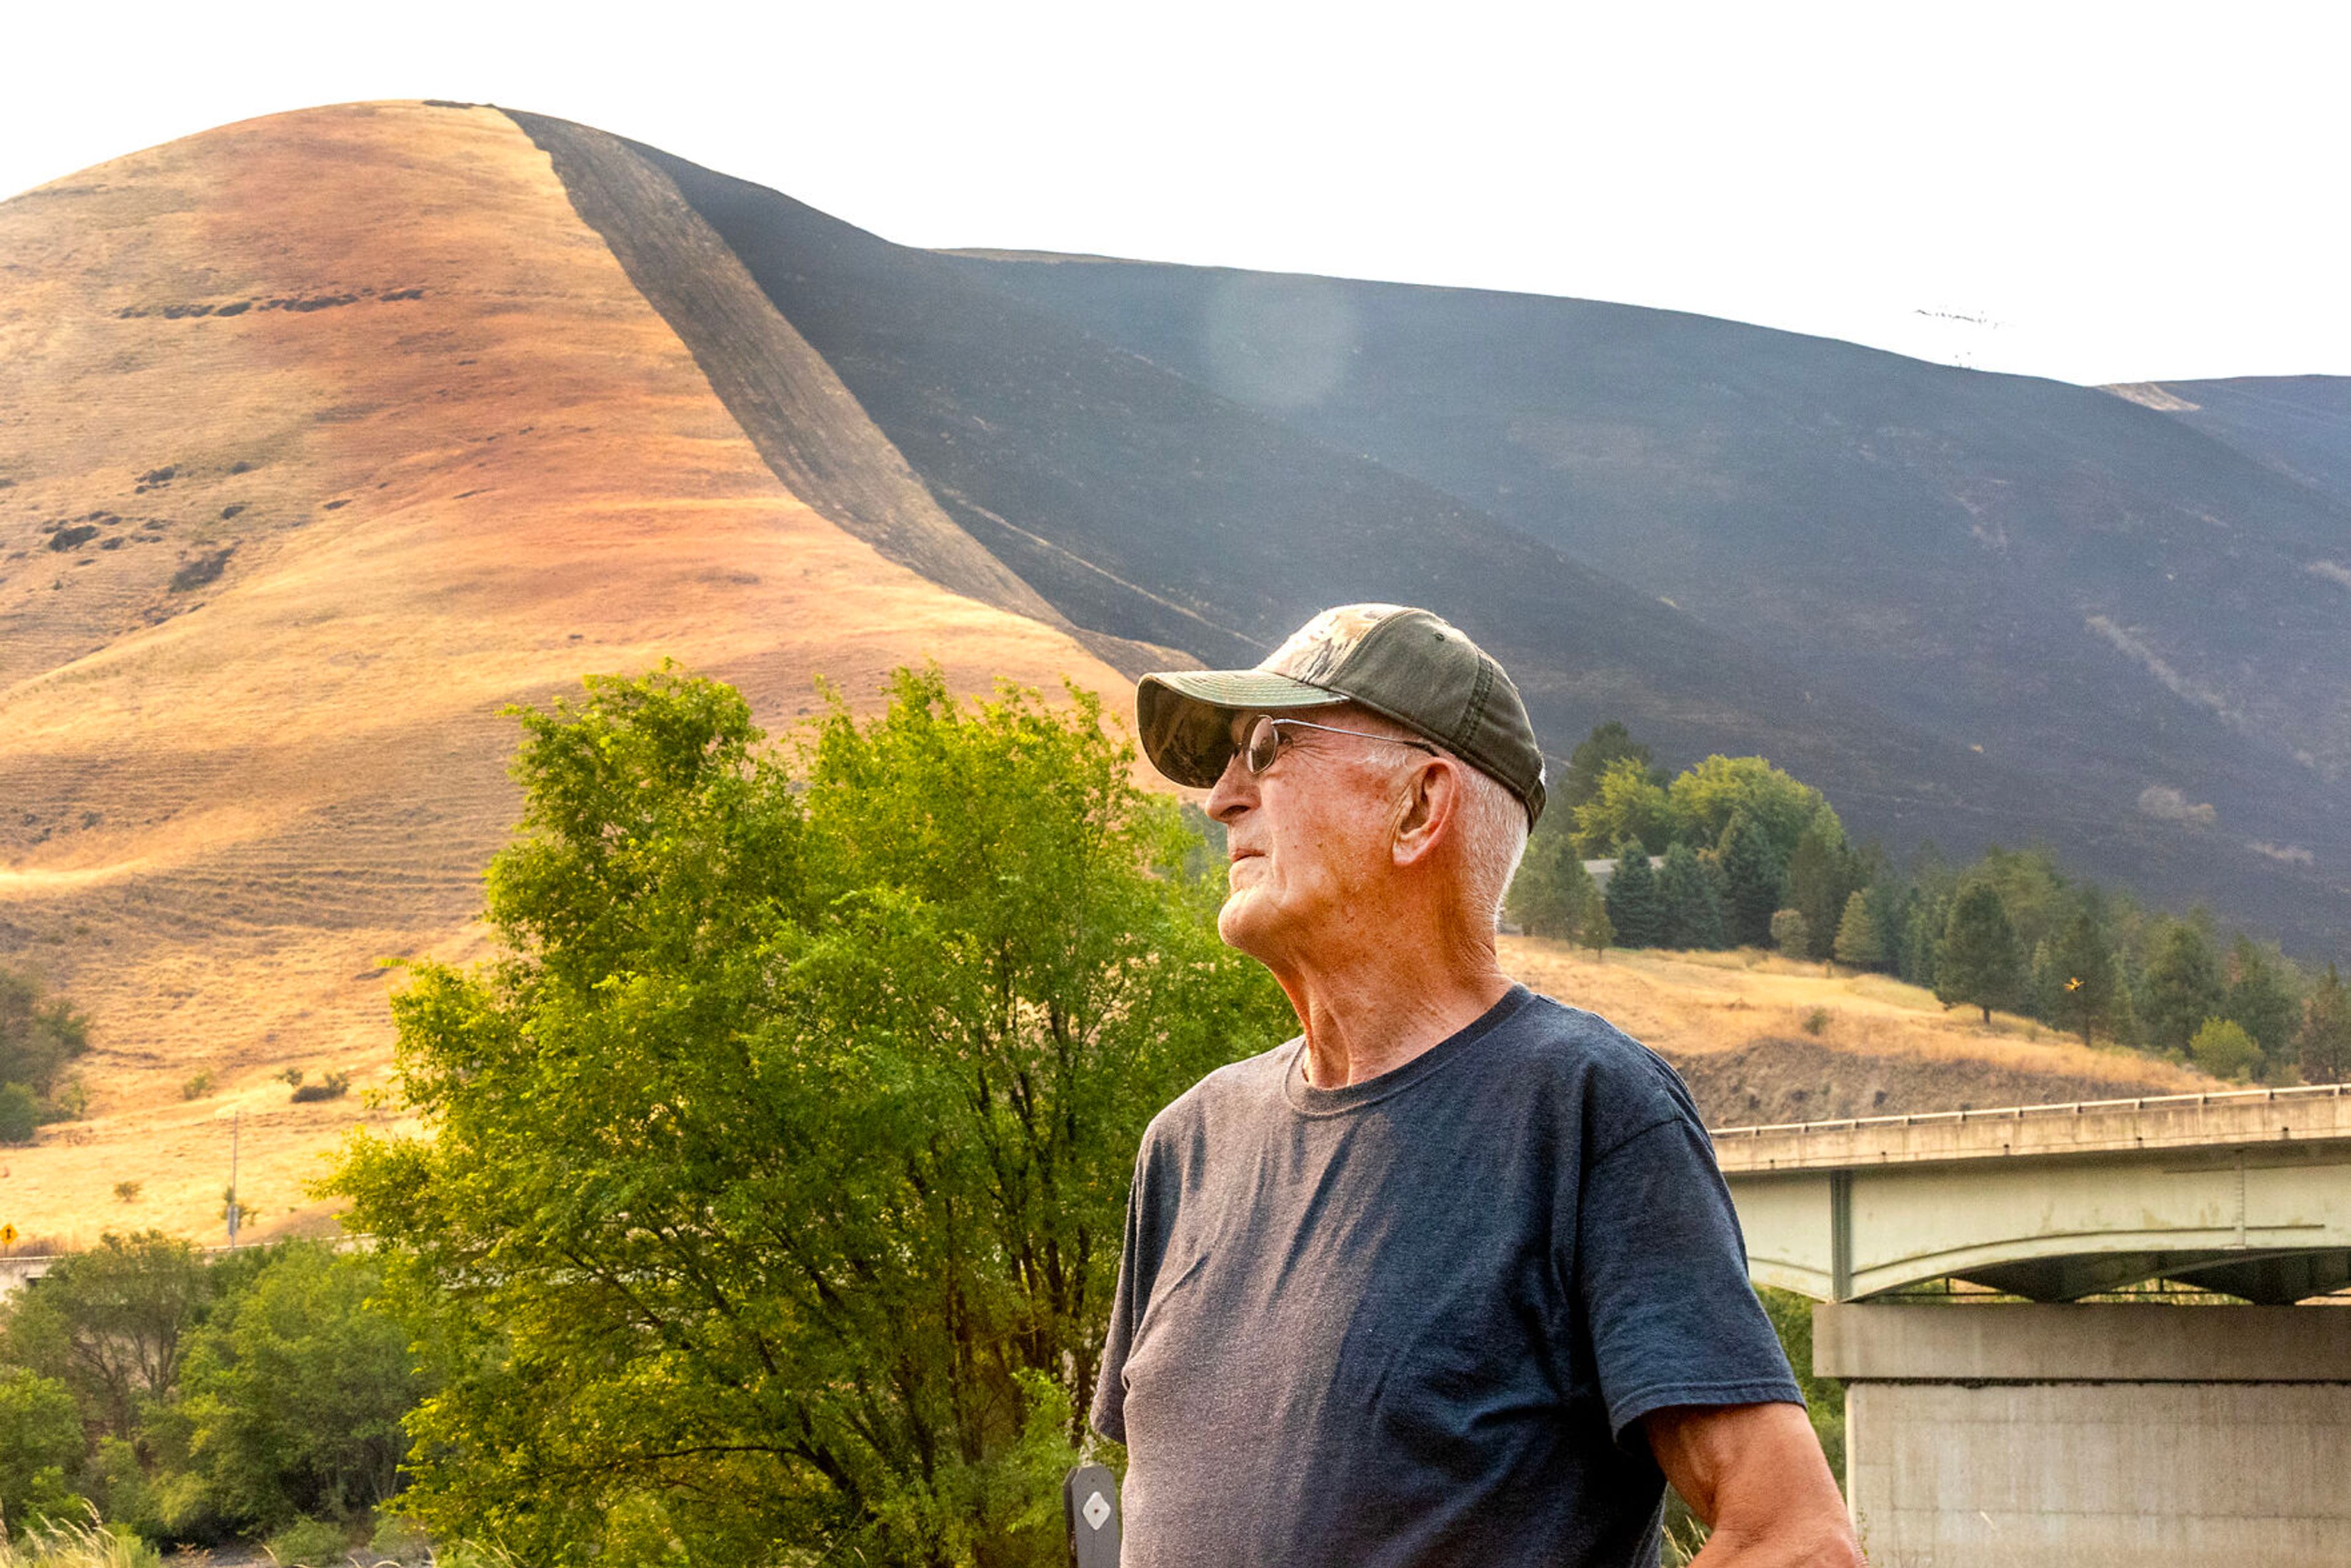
1451 1277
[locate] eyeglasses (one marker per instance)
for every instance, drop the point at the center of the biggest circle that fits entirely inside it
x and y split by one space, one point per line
1264 742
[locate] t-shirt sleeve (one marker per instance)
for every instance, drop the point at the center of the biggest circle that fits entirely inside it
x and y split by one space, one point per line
1137 1263
1661 1271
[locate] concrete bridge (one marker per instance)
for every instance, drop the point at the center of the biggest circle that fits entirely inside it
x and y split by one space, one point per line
2076 1435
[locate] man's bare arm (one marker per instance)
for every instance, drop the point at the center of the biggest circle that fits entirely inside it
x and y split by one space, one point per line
1754 1475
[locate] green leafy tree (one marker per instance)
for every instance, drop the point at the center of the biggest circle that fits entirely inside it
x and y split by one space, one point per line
1753 885
2222 1047
41 1444
1859 940
1628 804
1608 743
2324 1041
1693 902
2182 987
1979 962
1635 902
294 1391
773 1197
112 1323
2261 996
1710 796
2083 985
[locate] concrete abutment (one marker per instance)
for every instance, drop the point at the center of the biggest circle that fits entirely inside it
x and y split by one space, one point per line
2093 1437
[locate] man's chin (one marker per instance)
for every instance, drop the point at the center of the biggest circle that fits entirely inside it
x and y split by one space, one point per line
1238 923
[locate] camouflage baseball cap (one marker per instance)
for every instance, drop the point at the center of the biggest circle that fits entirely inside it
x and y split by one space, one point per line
1405 664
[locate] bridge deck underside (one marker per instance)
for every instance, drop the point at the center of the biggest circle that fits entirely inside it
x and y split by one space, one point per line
2269 1225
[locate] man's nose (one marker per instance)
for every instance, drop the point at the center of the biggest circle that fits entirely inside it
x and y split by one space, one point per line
1235 791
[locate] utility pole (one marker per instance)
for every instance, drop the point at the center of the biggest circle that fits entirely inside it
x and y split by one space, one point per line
236 1119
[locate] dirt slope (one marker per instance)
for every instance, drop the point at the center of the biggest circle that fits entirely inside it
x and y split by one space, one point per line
1735 1025
322 437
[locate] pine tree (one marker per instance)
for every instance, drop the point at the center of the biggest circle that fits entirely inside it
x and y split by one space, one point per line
2325 1038
1790 934
1693 905
1859 942
2182 988
1820 877
1590 761
2262 998
1591 928
1635 904
2122 1015
1753 885
1547 895
1922 936
2084 975
1979 964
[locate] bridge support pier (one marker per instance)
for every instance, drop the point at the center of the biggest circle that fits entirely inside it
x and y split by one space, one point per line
2093 1437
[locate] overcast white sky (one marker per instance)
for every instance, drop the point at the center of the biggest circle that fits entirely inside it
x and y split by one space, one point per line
2091 192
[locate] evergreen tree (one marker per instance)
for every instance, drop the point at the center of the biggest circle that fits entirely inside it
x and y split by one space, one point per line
2084 971
1820 878
1635 904
2262 998
1979 962
1753 885
1859 942
1789 934
2122 1015
2325 1038
1591 928
1590 761
1922 936
2041 979
1693 905
1548 895
2182 987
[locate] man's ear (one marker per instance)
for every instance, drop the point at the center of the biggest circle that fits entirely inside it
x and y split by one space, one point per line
1432 799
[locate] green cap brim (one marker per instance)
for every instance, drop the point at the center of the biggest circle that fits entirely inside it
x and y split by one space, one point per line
1186 716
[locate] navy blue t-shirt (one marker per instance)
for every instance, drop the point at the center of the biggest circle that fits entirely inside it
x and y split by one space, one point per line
1414 1320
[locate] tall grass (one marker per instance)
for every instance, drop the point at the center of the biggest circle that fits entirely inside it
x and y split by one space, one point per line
89 1545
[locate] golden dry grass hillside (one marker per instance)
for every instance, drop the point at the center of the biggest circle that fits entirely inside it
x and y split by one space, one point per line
1761 1039
321 438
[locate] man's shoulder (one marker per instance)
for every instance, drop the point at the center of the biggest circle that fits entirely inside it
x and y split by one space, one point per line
1620 1084
1247 1088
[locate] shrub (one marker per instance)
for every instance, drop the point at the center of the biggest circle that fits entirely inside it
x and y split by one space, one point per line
1816 1020
127 1191
20 1114
311 1544
197 1087
2223 1049
289 1076
334 1086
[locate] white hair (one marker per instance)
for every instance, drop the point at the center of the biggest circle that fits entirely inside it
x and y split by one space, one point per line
1493 840
1492 824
